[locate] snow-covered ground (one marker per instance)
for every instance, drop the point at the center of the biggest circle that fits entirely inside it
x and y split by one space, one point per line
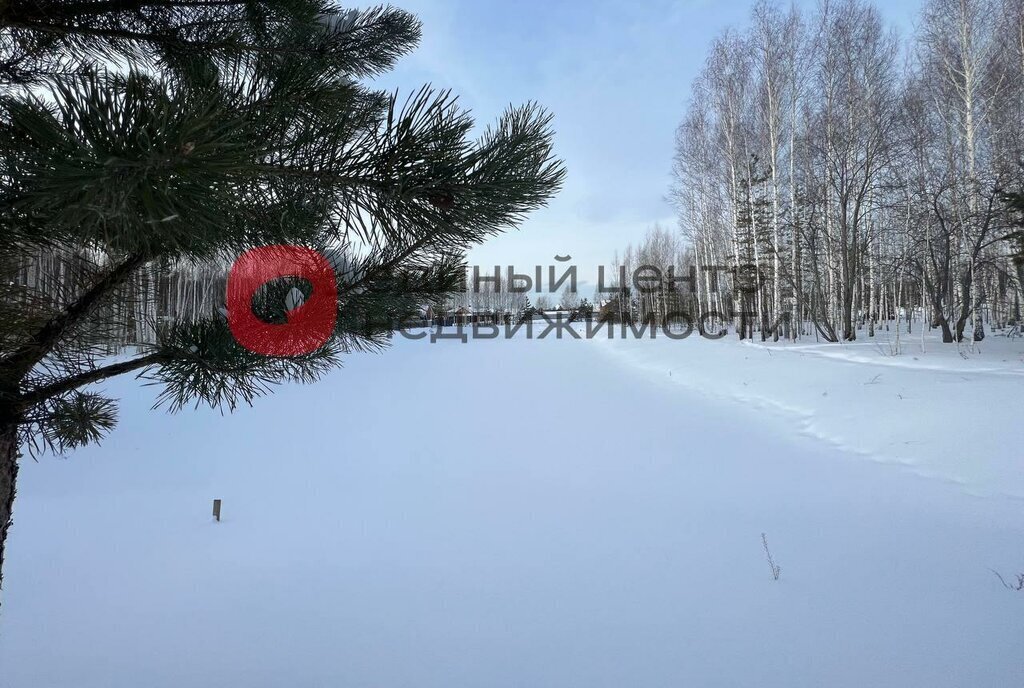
941 411
543 513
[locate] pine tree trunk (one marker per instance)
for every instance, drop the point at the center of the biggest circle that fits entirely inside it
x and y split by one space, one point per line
8 478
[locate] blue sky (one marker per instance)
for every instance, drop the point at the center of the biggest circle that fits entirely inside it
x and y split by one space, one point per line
616 75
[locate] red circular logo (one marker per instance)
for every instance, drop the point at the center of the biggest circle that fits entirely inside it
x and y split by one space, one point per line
309 324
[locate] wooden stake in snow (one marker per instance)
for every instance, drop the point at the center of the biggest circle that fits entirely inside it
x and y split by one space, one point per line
216 509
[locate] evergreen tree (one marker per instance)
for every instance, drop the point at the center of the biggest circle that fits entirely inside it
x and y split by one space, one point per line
1015 203
528 311
143 134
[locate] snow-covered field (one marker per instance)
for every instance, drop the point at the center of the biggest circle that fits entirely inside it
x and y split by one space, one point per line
941 411
543 513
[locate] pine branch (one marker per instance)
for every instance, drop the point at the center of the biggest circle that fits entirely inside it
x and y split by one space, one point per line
50 10
18 364
68 384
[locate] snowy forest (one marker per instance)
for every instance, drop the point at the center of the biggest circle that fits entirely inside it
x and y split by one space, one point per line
853 176
271 269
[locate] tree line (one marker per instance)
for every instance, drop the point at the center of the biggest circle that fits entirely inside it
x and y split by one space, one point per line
848 176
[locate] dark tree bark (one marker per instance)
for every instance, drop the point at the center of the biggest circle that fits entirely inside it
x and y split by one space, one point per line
1019 265
8 480
966 284
939 320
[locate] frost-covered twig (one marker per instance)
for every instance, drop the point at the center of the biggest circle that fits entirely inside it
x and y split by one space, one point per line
1017 586
776 570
